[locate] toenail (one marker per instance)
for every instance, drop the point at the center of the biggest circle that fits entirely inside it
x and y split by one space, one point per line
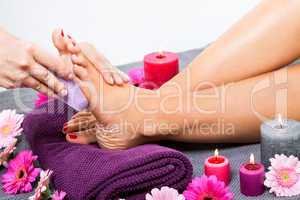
72 136
62 32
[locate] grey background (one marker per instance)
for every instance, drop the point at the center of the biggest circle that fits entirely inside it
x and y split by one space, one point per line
197 153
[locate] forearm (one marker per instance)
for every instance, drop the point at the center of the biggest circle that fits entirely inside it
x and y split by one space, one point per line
265 39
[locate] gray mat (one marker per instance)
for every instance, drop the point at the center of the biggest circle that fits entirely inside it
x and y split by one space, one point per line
196 152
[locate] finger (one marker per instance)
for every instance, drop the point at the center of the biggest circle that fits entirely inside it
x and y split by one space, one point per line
51 62
124 76
81 73
79 60
47 78
118 80
7 83
38 86
91 53
108 77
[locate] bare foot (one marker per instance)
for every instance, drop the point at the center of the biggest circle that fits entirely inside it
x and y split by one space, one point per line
74 131
117 127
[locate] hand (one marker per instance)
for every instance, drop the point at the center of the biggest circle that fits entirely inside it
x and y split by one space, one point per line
23 64
112 75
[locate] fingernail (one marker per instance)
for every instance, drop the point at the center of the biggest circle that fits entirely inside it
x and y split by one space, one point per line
111 80
70 76
62 33
74 43
69 37
127 77
63 92
72 136
65 128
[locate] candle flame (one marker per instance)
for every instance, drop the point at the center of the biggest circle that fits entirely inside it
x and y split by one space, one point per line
216 153
160 52
252 160
280 120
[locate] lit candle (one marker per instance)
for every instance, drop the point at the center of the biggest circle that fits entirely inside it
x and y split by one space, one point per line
219 166
279 136
159 68
252 176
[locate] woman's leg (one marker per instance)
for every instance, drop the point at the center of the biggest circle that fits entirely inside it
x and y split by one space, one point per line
267 38
230 113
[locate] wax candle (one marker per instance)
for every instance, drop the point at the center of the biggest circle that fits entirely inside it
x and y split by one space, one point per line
219 166
159 68
252 176
279 136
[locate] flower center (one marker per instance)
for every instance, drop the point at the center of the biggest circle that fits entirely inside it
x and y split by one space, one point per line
206 197
21 173
287 177
6 130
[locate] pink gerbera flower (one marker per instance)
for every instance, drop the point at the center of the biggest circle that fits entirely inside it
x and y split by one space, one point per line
58 195
165 193
20 173
40 100
10 127
202 188
136 76
284 176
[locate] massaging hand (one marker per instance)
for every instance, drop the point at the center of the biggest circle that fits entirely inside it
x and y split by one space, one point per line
111 74
23 64
67 46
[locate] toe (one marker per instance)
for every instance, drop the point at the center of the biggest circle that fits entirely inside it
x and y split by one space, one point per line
58 40
81 139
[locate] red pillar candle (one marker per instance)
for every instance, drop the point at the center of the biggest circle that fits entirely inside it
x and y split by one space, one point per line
219 166
252 178
159 68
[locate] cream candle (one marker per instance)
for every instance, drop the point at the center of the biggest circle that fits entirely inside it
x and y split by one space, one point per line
252 176
219 166
279 136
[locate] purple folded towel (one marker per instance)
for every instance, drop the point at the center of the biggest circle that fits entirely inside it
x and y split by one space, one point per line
88 172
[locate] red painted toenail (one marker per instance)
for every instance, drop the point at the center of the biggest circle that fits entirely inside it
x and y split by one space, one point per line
72 136
62 33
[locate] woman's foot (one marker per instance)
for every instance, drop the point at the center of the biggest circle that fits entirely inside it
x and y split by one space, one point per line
117 127
74 130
